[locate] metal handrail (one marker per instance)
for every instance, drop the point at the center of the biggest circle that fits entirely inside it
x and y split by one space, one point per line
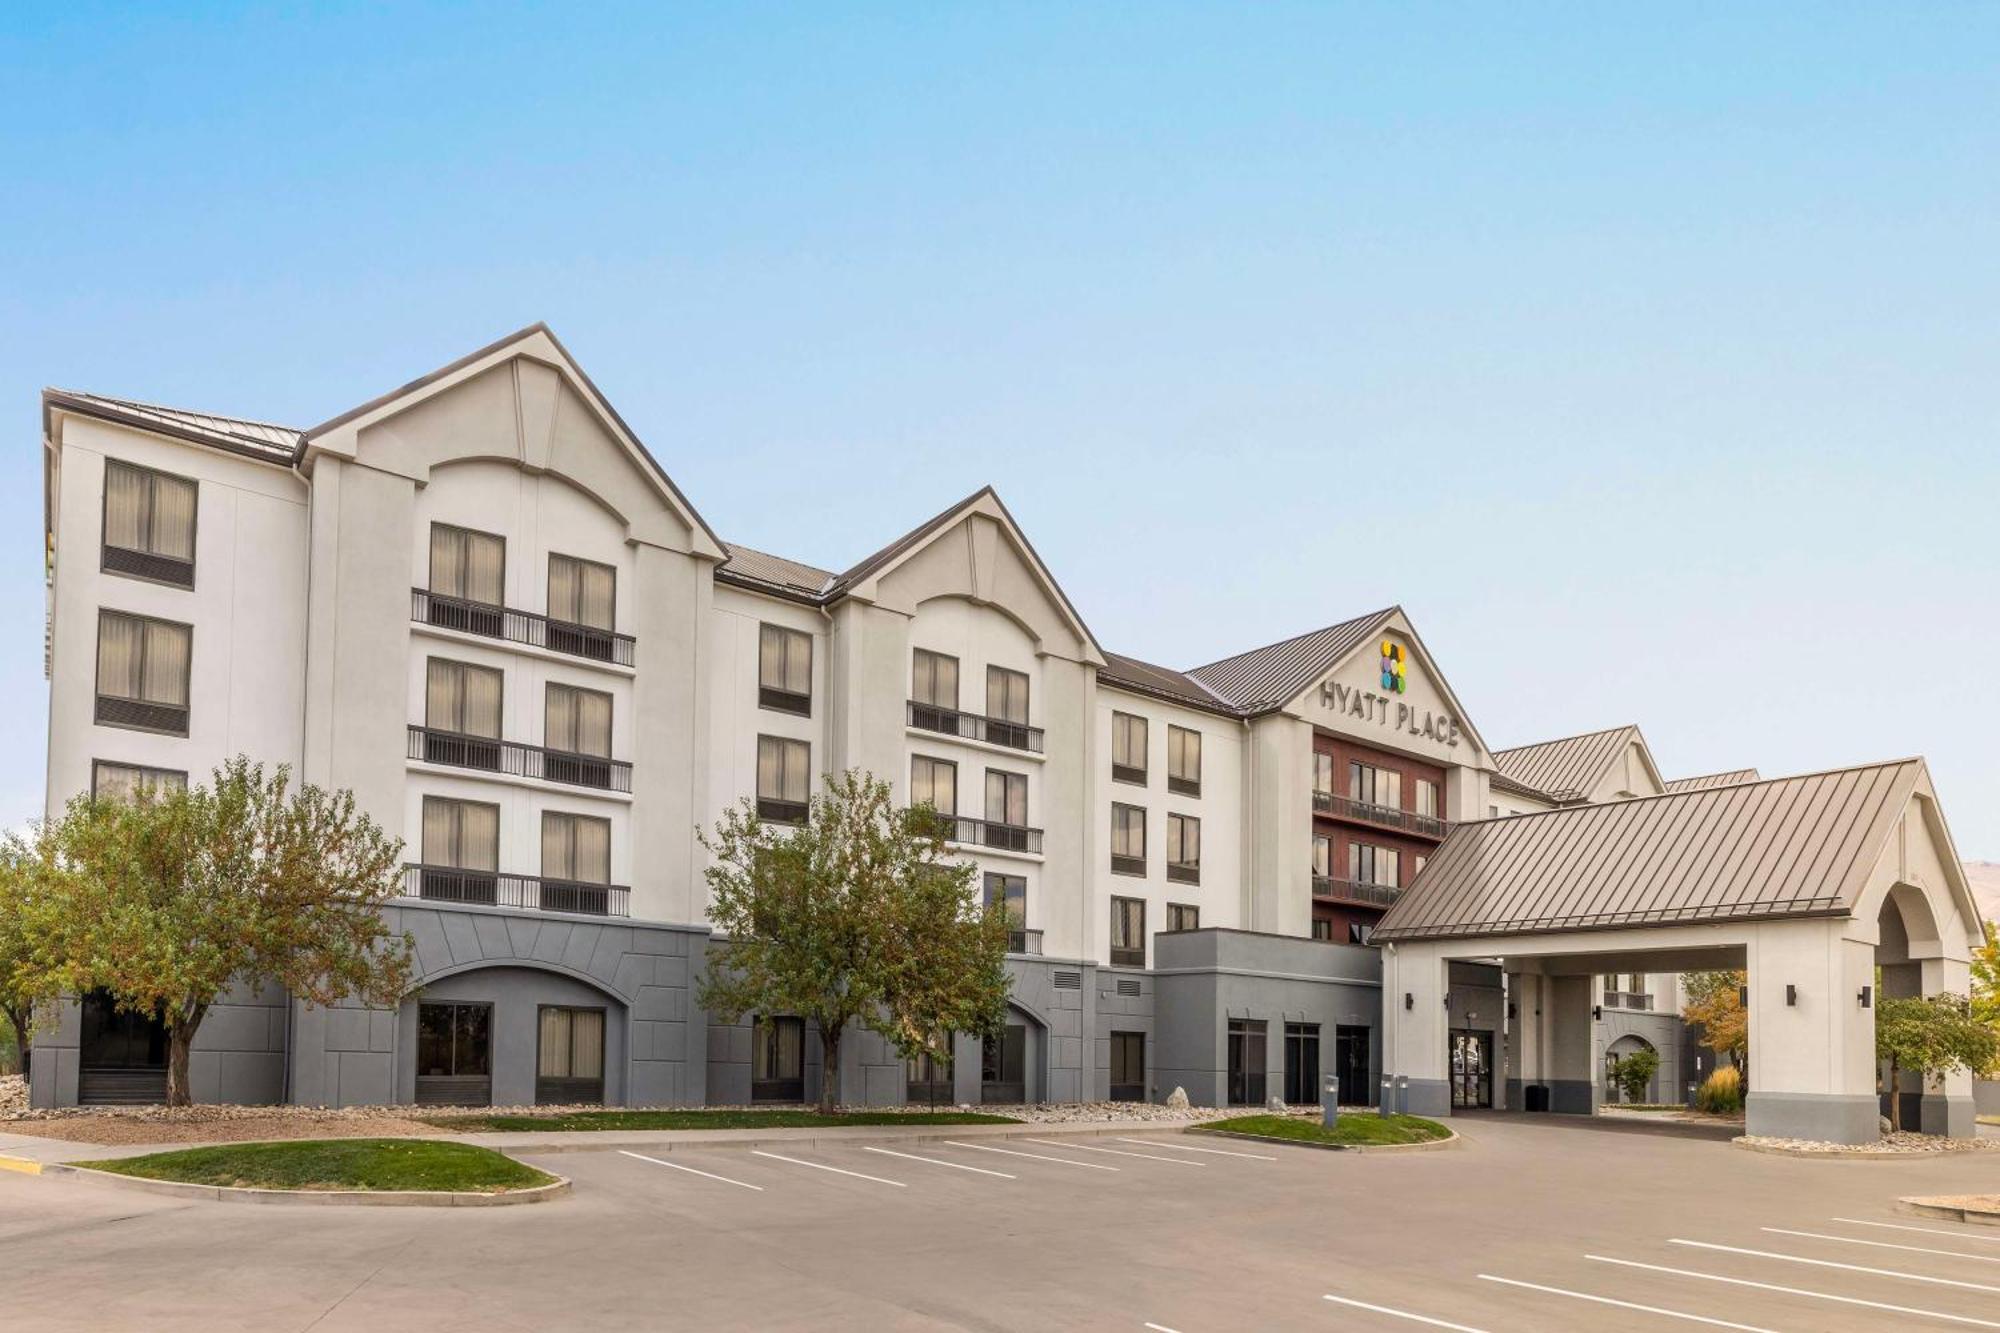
493 888
492 755
1387 816
1355 890
504 622
975 727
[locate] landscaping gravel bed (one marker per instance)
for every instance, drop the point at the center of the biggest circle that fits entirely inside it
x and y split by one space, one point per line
13 1095
1889 1145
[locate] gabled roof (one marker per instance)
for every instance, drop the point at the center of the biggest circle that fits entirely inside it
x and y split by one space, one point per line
1708 780
1267 678
1789 847
1129 673
258 439
773 573
1567 769
1501 782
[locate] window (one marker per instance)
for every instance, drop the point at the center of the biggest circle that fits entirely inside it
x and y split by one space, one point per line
148 524
1184 849
1007 809
1493 812
121 782
784 670
461 850
1302 1063
1322 856
582 592
469 567
1007 708
461 715
1128 840
1375 786
784 779
927 1079
934 679
1427 798
1183 761
1322 928
1003 1066
1183 916
576 848
576 732
569 1059
1369 864
1322 781
454 1054
777 1060
1011 893
1128 1066
1128 932
142 673
1128 748
1360 932
934 782
1246 1061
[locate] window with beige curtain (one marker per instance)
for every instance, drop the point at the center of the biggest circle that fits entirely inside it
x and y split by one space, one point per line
784 666
1006 695
1184 759
1128 747
143 660
1006 798
934 782
1427 797
1323 774
121 782
148 511
572 1043
463 698
784 770
577 721
582 592
1322 856
1183 840
468 565
576 847
464 835
1128 831
934 679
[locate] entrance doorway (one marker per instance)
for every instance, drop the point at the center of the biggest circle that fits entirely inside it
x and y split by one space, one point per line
1128 1067
1302 1063
1350 1066
123 1055
1003 1067
1246 1061
1471 1069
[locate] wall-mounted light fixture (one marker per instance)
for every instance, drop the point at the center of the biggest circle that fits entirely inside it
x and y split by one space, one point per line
1447 999
1409 1000
1792 995
1867 996
1596 1012
1513 1009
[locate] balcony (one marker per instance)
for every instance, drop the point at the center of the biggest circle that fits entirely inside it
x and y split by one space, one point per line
1355 891
973 727
970 832
518 761
499 622
1614 999
1378 816
535 893
1025 942
146 565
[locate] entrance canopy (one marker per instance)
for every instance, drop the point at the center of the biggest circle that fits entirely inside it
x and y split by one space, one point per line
1808 883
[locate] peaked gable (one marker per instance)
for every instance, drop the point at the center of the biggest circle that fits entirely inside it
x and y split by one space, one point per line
1575 768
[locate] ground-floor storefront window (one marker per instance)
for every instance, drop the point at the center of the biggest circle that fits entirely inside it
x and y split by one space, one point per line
1128 1066
454 1054
778 1060
1003 1066
569 1060
1246 1061
1302 1063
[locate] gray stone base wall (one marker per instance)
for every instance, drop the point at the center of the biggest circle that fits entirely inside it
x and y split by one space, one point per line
1125 1003
238 1057
1820 1117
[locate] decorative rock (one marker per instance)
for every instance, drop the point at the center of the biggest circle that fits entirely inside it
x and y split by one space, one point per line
1885 1126
1177 1099
1275 1104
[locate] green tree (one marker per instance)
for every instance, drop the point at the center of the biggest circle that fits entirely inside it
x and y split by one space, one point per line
1929 1035
1986 983
17 1000
165 899
1715 1002
1634 1073
860 915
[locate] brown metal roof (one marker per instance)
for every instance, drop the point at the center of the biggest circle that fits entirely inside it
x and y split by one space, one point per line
758 568
1566 769
1162 682
261 439
1708 780
1269 677
1501 782
1798 846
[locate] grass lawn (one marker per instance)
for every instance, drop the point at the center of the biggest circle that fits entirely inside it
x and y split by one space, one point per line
793 1118
336 1164
1355 1129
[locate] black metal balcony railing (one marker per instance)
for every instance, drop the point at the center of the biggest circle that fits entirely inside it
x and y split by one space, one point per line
520 761
501 622
492 888
146 565
1382 816
973 727
1024 941
970 832
1356 891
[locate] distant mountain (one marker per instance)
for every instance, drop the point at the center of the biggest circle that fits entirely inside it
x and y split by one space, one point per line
1985 877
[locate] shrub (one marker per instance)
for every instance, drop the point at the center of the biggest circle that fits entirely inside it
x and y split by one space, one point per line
1721 1093
1634 1073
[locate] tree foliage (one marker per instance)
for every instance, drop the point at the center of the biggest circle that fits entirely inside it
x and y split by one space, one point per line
17 993
1930 1035
1715 1001
860 915
166 899
1634 1073
1986 983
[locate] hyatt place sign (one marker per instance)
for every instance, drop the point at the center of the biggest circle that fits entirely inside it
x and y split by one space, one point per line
1353 701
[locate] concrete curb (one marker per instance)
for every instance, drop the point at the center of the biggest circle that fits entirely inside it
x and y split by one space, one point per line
1947 1212
327 1198
27 1166
1451 1140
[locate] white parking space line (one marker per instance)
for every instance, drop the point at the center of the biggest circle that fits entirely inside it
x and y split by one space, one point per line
938 1161
1828 1263
1039 1157
1115 1152
1186 1147
1795 1291
1162 1328
676 1166
1928 1231
822 1166
1626 1305
1887 1245
1404 1314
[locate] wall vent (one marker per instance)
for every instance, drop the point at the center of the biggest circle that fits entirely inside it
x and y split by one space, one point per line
1067 980
1127 986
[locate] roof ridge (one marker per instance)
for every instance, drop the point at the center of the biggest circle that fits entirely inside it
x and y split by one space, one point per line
1279 643
1558 740
1703 791
861 568
169 407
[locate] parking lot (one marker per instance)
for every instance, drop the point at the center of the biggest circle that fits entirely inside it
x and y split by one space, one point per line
1530 1224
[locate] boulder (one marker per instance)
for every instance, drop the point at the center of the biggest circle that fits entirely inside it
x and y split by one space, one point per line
1178 1099
1275 1104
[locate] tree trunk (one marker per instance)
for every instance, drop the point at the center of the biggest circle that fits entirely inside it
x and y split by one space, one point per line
1895 1098
829 1073
20 1023
180 1040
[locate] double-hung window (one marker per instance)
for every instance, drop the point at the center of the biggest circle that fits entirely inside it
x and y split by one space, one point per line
784 779
583 607
1128 840
1183 761
142 673
576 863
148 524
1007 810
784 670
1128 748
576 735
934 691
1007 707
462 714
1183 849
468 580
461 850
1128 932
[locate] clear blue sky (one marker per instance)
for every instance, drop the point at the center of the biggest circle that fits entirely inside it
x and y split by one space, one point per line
1648 357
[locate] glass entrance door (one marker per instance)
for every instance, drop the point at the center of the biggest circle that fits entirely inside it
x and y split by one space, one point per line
454 1055
1471 1068
1302 1064
1350 1065
1246 1062
778 1059
1003 1067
